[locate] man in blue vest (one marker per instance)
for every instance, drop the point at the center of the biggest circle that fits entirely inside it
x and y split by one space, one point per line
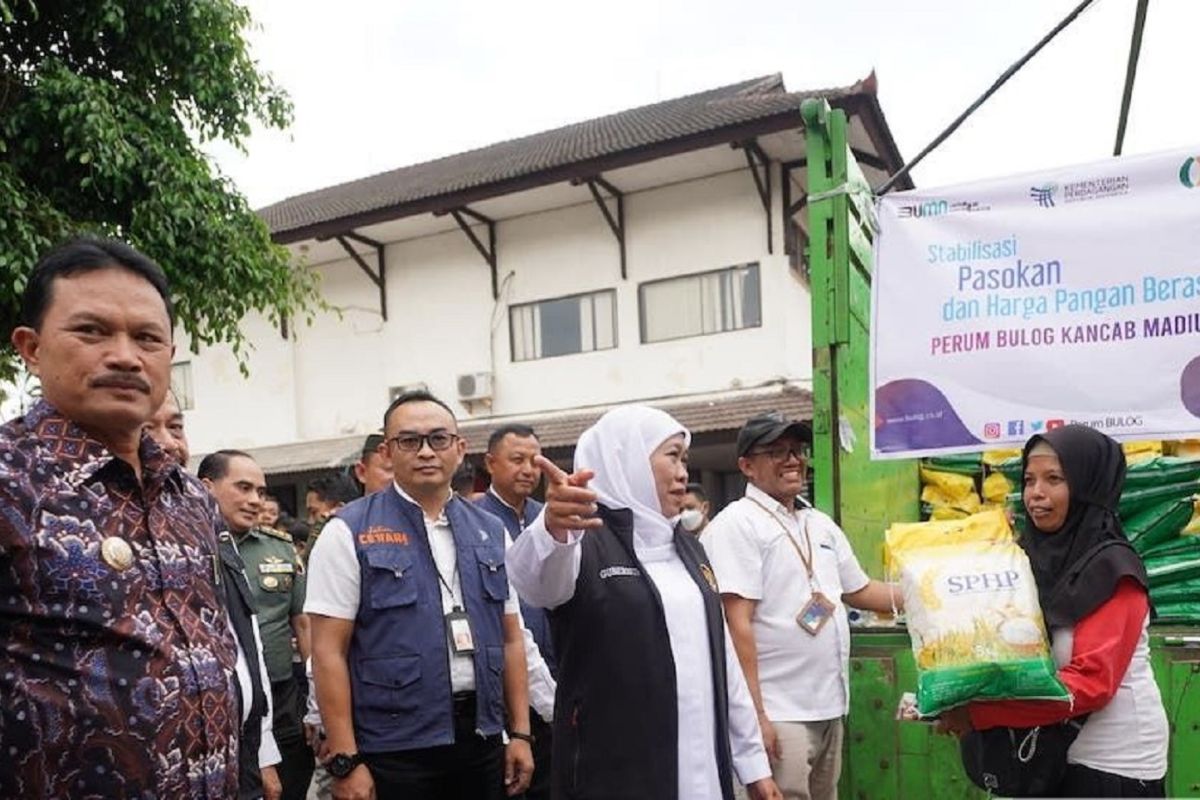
509 460
417 639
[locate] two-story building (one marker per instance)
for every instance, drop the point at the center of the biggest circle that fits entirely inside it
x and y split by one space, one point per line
653 255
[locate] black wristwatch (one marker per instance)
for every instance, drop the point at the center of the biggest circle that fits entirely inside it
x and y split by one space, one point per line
342 764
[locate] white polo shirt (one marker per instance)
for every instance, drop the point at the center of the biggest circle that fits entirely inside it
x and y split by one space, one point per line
803 678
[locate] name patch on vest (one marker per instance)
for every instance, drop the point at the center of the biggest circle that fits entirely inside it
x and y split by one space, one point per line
379 535
619 572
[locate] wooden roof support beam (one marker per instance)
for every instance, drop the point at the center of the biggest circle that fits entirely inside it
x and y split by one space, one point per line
616 222
760 169
378 276
488 251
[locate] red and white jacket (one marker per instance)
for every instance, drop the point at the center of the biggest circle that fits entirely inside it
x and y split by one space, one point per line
1104 660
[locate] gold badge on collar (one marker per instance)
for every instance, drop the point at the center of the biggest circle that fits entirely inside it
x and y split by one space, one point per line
270 582
707 572
117 553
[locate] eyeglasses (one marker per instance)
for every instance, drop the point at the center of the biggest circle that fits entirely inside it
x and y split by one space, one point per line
784 452
413 442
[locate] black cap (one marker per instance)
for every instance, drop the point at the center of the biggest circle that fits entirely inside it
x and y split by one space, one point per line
372 444
766 428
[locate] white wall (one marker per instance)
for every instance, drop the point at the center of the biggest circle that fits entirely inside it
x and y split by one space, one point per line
441 315
231 410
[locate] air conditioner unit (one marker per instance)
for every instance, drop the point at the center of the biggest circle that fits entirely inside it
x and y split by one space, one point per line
475 386
396 391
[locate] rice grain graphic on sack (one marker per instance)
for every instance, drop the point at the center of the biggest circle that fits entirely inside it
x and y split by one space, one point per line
973 614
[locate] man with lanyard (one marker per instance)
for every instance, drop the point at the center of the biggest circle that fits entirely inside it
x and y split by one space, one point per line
417 643
257 752
509 460
787 573
117 665
277 584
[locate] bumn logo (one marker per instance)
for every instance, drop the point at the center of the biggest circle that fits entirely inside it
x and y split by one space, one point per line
929 208
1044 195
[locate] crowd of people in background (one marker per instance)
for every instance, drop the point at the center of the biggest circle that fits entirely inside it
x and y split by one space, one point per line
177 636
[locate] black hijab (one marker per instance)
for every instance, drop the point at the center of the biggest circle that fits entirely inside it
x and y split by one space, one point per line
1077 568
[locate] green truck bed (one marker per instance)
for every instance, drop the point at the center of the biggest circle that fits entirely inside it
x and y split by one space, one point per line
889 759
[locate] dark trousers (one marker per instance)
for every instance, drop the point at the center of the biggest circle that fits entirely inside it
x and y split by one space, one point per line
1082 781
539 787
296 768
470 769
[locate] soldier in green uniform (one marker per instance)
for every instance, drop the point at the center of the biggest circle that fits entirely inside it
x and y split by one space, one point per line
277 584
326 494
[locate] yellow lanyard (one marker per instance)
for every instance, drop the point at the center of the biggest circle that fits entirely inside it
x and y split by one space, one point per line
807 560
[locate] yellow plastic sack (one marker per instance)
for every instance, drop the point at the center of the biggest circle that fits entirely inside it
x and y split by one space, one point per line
972 609
951 485
1184 448
1139 451
1193 526
947 512
993 457
996 487
937 498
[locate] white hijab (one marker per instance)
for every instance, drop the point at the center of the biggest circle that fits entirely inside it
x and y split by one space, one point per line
618 448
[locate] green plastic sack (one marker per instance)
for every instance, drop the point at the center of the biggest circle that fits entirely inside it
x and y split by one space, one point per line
1137 500
1161 471
963 464
1185 591
1158 523
1171 571
1183 611
1184 547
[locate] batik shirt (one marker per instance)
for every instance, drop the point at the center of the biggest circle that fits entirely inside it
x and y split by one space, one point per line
117 667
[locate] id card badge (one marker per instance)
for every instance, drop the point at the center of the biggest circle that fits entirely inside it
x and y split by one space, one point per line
816 612
458 628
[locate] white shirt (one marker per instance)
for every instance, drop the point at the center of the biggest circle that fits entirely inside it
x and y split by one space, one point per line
268 750
335 579
1129 736
542 685
802 678
545 572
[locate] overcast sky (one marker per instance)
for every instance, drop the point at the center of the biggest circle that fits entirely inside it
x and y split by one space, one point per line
380 84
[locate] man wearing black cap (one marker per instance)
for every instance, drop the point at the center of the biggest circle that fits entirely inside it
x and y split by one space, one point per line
787 573
373 470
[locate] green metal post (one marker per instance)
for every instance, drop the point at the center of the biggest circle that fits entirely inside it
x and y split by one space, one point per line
862 495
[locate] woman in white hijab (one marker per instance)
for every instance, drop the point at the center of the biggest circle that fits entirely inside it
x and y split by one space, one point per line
651 703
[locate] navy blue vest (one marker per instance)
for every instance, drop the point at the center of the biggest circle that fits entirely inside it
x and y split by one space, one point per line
535 618
399 668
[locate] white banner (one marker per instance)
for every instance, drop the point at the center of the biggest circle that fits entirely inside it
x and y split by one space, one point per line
1012 306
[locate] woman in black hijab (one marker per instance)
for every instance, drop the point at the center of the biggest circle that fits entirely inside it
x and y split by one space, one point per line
1094 596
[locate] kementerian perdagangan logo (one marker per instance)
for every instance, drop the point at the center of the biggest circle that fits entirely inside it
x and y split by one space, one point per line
1189 173
1044 195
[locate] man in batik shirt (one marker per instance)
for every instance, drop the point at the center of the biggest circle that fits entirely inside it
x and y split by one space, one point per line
116 659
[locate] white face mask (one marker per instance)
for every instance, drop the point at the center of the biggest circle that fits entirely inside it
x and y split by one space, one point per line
691 519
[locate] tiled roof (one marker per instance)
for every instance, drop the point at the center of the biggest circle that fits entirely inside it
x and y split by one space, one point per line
658 123
716 413
723 412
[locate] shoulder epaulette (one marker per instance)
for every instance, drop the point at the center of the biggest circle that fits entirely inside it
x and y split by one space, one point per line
282 536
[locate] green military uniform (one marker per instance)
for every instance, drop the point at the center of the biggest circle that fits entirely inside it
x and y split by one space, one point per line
313 533
276 579
277 582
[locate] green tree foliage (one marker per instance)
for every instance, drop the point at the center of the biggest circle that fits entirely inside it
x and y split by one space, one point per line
102 106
